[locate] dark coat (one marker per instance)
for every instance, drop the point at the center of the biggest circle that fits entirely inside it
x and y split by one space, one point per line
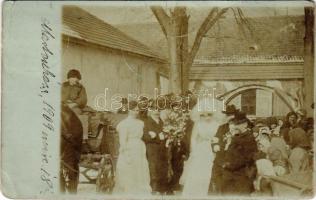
157 155
70 148
71 136
220 155
187 137
180 150
284 132
75 93
217 170
178 154
239 164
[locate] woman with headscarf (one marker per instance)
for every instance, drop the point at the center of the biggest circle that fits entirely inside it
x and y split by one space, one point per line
290 123
274 127
300 145
300 170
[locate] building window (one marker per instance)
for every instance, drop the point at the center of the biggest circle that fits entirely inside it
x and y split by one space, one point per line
248 102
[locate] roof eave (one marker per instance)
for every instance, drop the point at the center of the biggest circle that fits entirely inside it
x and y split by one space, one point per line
74 38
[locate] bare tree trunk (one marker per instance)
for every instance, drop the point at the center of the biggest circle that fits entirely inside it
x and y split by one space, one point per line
185 50
309 60
180 32
175 28
174 58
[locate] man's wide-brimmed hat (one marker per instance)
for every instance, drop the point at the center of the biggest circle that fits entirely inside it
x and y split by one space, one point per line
240 118
230 110
73 73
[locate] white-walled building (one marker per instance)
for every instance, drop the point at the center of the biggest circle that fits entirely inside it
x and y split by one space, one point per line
108 58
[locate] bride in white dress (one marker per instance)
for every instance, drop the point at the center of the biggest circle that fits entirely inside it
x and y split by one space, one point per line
132 171
199 165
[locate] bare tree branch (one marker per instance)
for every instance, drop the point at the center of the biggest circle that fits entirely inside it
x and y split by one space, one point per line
202 30
162 18
207 24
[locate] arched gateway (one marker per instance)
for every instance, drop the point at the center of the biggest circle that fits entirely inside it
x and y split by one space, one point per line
285 97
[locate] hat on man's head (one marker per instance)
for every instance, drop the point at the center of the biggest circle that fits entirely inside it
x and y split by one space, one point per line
230 110
73 73
240 118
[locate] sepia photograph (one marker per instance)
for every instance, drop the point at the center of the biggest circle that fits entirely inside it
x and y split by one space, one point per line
187 100
158 100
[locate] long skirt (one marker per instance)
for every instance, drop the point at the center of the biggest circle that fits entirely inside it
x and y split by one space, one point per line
132 172
198 171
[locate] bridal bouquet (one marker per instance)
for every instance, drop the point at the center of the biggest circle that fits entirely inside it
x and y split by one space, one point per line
174 125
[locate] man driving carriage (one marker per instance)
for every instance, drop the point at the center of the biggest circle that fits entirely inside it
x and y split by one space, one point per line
73 92
83 142
74 125
73 95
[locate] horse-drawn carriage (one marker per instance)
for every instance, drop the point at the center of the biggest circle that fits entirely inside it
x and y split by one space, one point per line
98 151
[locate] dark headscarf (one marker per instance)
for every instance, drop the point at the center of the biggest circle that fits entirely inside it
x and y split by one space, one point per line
286 122
299 138
272 120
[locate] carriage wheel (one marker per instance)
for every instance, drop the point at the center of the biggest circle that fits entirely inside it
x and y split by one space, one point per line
105 178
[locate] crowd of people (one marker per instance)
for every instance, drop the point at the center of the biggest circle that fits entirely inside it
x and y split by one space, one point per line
282 148
234 158
207 156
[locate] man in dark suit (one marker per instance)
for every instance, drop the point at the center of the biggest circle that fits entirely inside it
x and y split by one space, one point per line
219 148
156 151
239 161
180 150
143 103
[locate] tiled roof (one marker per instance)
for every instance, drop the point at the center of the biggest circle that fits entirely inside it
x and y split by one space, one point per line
274 39
80 24
249 60
242 72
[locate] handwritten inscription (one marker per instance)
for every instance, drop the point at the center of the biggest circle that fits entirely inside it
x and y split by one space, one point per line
47 35
48 111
